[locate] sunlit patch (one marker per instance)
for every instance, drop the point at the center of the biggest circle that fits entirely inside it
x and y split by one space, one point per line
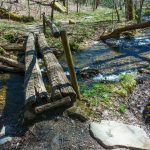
2 96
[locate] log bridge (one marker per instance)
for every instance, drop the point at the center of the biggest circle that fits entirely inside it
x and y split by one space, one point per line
37 98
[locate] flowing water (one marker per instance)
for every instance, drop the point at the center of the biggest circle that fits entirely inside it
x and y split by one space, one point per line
125 55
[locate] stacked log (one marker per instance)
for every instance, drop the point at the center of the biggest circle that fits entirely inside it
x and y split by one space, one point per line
61 86
34 85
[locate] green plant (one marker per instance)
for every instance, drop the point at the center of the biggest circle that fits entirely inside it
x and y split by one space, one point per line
74 46
1 50
8 36
98 92
122 108
128 82
122 92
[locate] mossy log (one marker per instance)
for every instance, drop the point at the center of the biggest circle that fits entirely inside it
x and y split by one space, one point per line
34 86
12 63
54 28
5 14
57 6
116 33
61 86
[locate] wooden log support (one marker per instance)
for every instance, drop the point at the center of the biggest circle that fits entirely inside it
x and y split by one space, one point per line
70 63
34 86
44 23
12 63
116 33
62 102
55 30
61 87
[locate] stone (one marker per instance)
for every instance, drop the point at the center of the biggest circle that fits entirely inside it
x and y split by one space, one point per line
72 22
111 134
4 140
76 113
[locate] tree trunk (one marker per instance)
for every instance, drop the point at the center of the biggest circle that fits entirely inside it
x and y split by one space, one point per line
138 11
117 12
116 33
129 9
29 8
77 6
64 3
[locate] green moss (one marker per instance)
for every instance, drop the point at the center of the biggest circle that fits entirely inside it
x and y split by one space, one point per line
5 14
3 95
9 36
128 82
122 92
80 111
98 93
1 50
74 46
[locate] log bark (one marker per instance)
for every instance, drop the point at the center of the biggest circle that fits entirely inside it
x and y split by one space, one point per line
34 85
61 87
116 33
4 68
48 106
12 47
12 63
55 30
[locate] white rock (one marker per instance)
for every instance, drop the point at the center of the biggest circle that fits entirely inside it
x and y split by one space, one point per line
2 132
112 134
5 140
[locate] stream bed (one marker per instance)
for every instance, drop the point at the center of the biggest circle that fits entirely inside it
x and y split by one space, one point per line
114 58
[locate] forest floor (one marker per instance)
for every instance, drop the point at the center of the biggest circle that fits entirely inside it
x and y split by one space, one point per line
59 130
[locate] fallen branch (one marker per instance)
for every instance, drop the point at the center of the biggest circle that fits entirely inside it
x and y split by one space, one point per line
12 47
4 68
116 33
53 27
12 63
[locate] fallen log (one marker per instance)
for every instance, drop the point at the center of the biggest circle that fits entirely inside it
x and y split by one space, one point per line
57 6
6 69
60 85
116 33
5 14
12 63
34 85
12 47
53 27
